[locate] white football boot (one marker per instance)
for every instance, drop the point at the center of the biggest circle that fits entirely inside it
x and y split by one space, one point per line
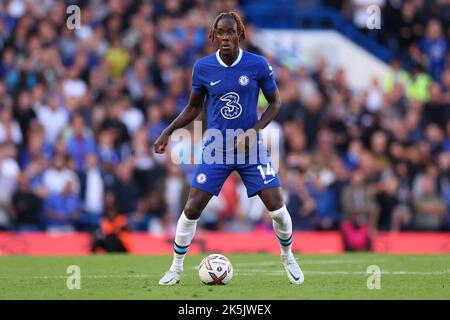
170 278
293 271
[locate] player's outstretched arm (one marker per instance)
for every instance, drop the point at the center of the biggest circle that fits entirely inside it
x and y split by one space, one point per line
271 111
190 112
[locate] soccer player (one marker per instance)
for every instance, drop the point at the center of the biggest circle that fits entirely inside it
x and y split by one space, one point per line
230 81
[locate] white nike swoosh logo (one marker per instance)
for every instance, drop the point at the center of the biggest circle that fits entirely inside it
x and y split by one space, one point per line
266 182
215 82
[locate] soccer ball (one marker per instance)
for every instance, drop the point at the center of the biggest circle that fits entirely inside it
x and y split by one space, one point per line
215 269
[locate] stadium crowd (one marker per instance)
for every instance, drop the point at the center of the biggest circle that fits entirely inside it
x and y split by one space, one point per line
80 109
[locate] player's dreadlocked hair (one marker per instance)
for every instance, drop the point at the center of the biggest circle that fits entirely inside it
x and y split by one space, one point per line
232 15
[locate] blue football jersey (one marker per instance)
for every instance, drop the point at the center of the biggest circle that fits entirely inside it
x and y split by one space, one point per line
231 103
232 91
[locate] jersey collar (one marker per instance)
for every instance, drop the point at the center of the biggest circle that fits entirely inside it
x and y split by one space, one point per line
235 61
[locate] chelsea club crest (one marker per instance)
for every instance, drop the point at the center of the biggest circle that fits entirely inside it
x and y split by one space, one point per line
243 80
201 178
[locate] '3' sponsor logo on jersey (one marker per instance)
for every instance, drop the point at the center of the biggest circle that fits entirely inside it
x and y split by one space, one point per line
232 109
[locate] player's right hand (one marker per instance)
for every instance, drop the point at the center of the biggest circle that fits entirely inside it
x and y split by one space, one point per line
161 143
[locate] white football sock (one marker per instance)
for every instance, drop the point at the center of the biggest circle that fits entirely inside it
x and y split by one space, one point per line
282 225
184 234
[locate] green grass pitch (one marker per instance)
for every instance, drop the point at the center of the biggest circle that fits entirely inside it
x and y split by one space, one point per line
256 276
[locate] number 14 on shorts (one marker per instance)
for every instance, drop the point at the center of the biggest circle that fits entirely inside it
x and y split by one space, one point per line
269 172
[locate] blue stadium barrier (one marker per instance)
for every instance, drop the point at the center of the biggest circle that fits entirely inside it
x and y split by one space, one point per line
287 15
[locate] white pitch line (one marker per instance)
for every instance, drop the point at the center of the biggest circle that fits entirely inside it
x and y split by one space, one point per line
306 262
99 276
332 273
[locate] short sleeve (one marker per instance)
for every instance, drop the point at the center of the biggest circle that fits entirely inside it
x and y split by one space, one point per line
197 85
267 78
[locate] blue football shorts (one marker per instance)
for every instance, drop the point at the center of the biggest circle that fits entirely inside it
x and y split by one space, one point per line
257 173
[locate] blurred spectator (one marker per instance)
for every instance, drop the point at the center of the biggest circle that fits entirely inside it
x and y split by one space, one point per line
126 191
325 197
434 47
92 192
436 110
53 117
58 175
429 207
392 213
62 210
379 147
9 170
410 26
138 78
375 96
151 214
131 116
312 118
353 155
26 207
24 113
36 145
79 140
155 124
396 76
35 173
9 128
148 173
301 204
108 154
119 130
417 86
357 212
74 87
444 185
324 150
113 234
117 56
